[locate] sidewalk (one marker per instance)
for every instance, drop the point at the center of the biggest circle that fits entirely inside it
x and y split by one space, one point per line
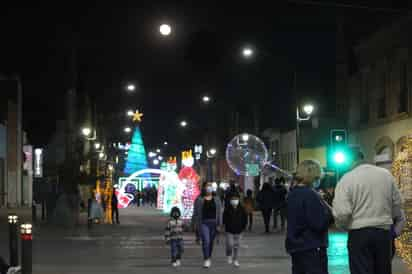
137 246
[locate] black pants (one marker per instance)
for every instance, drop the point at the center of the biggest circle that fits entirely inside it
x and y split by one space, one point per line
282 213
314 261
250 221
370 251
115 211
266 212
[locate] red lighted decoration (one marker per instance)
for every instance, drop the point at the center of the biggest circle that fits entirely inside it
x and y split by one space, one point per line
190 179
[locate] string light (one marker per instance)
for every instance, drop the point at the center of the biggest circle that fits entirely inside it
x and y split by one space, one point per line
402 171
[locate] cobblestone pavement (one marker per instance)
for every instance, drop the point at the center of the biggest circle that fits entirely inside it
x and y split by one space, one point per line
137 246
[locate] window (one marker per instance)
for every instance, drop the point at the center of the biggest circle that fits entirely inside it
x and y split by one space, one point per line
404 92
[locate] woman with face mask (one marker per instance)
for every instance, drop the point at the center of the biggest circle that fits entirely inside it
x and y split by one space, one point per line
235 222
208 217
308 222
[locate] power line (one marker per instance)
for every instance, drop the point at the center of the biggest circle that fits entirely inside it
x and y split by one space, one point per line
350 6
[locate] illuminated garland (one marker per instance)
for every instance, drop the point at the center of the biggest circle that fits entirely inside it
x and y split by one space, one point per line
402 171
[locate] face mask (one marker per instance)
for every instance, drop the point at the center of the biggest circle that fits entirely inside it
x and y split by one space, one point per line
209 189
316 184
176 215
234 203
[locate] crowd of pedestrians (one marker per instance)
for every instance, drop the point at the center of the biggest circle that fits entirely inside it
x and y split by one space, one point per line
366 204
145 197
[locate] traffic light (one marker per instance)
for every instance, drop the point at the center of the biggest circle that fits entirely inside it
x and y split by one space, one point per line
339 153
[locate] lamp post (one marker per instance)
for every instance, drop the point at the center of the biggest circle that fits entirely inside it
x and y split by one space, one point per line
165 29
308 110
13 240
210 154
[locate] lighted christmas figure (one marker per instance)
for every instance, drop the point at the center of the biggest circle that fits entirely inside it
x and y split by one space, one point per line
136 159
190 182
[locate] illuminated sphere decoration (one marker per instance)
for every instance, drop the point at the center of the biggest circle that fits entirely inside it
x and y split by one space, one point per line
246 154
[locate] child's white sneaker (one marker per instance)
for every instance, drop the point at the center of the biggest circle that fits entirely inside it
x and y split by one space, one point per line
229 260
236 263
178 263
207 263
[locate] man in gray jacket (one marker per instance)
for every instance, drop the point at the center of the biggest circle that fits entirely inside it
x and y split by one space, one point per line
366 203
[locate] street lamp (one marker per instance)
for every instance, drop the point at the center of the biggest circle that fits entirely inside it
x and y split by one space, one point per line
158 150
247 52
165 143
97 145
245 137
155 162
130 113
308 110
86 131
152 154
127 129
101 155
211 153
165 29
183 123
131 87
206 99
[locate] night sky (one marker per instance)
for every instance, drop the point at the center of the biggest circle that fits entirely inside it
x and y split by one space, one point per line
116 45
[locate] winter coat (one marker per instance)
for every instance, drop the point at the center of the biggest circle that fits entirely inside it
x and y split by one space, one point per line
234 219
198 211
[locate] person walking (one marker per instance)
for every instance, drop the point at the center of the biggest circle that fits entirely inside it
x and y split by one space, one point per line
366 202
174 236
265 200
115 209
249 205
208 217
308 221
279 203
235 222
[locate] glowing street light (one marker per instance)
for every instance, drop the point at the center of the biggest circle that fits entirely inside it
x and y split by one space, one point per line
308 109
152 154
131 87
130 113
206 99
165 143
160 158
155 162
127 129
86 131
165 29
247 52
245 137
97 145
183 123
101 155
158 150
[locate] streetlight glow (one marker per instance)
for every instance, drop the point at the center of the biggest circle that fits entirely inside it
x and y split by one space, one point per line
165 143
152 154
308 109
130 113
131 87
165 29
158 150
127 129
101 155
245 137
97 145
183 123
212 151
247 52
86 131
206 99
156 162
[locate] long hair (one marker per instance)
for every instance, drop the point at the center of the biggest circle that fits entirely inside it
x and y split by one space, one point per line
175 209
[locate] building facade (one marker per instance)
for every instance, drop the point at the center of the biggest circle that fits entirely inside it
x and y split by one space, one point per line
378 94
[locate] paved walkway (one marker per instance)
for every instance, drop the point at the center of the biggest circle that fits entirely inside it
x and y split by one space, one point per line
137 246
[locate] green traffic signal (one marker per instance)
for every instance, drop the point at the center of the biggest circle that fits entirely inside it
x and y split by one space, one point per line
339 157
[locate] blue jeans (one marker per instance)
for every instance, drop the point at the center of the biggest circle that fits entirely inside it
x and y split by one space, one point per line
208 235
176 247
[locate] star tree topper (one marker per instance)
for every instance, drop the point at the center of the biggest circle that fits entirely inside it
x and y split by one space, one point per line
137 116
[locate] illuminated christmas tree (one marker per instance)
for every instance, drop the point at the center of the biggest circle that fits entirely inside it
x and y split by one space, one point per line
136 159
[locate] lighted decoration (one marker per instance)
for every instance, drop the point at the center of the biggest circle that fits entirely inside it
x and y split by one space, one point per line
137 117
136 159
190 181
402 171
